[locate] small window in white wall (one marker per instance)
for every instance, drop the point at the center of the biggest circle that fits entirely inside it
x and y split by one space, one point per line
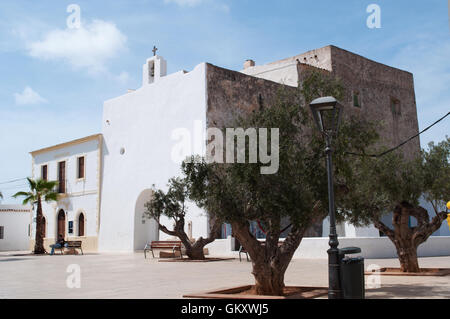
70 226
81 167
2 232
44 172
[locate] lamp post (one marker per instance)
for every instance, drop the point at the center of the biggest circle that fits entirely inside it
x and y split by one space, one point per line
327 114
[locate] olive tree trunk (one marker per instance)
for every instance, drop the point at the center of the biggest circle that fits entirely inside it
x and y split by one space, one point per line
194 250
269 261
407 239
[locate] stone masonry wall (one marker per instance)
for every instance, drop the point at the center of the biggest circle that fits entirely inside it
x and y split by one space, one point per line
378 86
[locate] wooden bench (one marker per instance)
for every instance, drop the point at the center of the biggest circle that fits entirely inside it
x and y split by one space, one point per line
75 244
72 244
242 250
172 245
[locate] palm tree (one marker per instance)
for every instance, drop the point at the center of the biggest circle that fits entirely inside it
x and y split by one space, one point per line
39 190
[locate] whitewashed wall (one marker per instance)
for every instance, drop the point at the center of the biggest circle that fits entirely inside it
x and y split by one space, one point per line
82 195
15 229
141 124
374 248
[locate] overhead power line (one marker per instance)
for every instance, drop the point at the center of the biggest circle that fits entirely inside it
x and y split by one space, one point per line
13 181
403 143
350 153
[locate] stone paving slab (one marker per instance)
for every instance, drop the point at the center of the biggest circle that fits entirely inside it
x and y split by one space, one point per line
132 276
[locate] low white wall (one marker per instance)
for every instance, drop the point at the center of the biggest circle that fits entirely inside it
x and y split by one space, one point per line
371 247
380 247
221 247
15 231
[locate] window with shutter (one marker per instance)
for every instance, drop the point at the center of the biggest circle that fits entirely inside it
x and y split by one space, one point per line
80 167
44 174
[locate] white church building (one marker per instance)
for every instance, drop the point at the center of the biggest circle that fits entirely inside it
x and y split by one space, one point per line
105 179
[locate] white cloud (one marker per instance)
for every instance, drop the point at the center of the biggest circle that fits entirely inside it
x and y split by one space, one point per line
28 96
89 46
123 78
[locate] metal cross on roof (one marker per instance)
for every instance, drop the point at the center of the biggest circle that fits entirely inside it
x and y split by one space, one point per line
154 50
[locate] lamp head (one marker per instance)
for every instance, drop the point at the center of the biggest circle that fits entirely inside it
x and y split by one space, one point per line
327 112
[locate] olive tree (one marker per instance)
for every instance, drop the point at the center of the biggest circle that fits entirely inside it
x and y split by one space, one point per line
173 204
238 193
394 184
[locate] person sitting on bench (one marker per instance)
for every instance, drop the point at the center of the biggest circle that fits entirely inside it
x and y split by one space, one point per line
59 244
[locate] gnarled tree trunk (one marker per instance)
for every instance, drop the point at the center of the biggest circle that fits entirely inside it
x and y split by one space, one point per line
407 239
270 260
407 255
194 250
39 239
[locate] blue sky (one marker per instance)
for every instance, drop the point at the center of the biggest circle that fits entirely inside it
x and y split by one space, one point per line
53 84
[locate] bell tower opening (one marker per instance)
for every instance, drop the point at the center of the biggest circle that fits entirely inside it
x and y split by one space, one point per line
153 69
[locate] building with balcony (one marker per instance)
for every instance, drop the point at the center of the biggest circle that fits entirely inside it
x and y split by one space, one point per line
76 165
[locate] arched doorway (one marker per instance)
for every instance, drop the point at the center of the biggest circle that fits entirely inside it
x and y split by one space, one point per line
81 225
61 225
145 230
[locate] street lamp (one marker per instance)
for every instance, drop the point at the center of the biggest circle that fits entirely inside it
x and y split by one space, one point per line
327 114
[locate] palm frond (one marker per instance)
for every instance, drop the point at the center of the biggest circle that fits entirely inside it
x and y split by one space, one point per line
26 194
51 197
32 183
39 189
47 185
30 199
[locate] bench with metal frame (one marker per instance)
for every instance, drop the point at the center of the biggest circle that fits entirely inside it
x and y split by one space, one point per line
173 245
71 244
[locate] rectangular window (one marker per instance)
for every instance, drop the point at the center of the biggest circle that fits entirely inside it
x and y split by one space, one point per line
80 173
44 174
61 177
71 227
356 99
2 232
396 107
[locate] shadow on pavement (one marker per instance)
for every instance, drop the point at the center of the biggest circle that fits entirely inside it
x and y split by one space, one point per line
409 291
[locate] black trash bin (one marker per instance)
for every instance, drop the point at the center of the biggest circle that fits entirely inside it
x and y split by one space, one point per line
352 273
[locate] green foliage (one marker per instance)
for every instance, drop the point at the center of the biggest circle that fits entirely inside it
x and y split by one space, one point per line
298 191
39 189
170 203
436 173
380 184
318 84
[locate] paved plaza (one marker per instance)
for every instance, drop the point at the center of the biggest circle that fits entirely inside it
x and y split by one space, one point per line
132 276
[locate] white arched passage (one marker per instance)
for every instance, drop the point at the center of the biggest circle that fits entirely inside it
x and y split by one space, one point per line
145 230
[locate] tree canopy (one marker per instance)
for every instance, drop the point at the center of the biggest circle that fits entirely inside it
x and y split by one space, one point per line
238 193
395 184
